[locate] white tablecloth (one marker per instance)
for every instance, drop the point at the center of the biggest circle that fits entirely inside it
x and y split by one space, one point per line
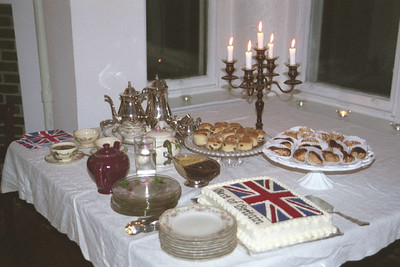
68 198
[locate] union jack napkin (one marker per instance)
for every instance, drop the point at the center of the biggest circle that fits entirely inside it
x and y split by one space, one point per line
43 139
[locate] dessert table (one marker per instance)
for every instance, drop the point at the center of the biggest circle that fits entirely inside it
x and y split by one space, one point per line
68 198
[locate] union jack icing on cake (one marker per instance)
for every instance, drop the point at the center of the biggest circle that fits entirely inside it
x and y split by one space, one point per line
268 214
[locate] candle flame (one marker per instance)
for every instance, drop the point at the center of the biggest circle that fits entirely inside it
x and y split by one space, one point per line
293 43
271 38
249 46
260 26
231 41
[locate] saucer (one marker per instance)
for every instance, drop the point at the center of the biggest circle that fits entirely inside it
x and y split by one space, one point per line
78 156
122 149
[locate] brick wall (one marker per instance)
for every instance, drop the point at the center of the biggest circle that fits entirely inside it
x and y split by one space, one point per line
10 91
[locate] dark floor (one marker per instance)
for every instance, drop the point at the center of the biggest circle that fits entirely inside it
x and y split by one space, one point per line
41 245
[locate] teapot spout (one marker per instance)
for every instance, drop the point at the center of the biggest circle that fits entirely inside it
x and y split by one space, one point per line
116 117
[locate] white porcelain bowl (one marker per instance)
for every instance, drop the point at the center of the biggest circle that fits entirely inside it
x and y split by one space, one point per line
107 140
64 151
86 137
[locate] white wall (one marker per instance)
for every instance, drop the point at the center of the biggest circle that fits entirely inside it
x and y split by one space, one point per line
103 47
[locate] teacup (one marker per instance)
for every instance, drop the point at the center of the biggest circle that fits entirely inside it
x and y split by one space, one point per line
86 137
107 140
64 151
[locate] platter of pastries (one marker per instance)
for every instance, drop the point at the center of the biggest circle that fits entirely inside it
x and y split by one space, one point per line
305 148
223 139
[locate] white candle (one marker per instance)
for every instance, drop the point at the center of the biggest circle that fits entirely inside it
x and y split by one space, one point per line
292 53
249 56
230 50
260 37
271 46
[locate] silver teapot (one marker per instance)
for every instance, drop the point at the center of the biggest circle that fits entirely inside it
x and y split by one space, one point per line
130 108
157 103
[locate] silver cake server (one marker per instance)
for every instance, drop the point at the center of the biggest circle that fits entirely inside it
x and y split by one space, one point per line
329 208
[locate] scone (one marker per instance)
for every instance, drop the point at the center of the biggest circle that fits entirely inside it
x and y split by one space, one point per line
223 124
214 143
229 146
261 135
227 132
235 126
215 129
254 138
232 138
200 138
205 125
245 143
241 132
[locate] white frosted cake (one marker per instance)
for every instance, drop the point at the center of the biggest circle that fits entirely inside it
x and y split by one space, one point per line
268 214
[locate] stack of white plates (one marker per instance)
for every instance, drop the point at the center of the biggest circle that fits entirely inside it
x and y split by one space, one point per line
197 232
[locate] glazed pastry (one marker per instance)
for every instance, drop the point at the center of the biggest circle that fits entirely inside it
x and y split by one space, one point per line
300 154
286 144
200 138
206 131
348 157
291 134
281 151
229 146
245 143
358 152
333 144
330 156
309 145
214 144
314 158
351 143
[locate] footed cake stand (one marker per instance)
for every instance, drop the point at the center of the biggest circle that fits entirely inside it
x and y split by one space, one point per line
316 179
225 158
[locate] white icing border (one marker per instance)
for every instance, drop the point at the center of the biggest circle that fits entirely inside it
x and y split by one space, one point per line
253 236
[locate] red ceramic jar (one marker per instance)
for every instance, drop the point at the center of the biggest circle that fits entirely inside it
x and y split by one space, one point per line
107 166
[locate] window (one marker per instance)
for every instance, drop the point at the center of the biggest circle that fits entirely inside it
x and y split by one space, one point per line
176 38
353 54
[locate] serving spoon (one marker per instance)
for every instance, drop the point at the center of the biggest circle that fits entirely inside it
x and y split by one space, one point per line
329 208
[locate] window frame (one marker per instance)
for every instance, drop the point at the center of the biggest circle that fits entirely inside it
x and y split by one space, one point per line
377 106
208 82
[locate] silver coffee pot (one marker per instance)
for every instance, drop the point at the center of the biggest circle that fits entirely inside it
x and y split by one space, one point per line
130 108
157 103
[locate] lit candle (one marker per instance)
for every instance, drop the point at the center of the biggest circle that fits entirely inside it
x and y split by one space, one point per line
230 50
292 53
249 56
271 46
260 37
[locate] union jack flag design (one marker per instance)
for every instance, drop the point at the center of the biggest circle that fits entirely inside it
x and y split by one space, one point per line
273 201
44 138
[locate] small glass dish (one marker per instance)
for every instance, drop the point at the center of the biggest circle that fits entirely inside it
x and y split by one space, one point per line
395 126
343 113
198 170
145 195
